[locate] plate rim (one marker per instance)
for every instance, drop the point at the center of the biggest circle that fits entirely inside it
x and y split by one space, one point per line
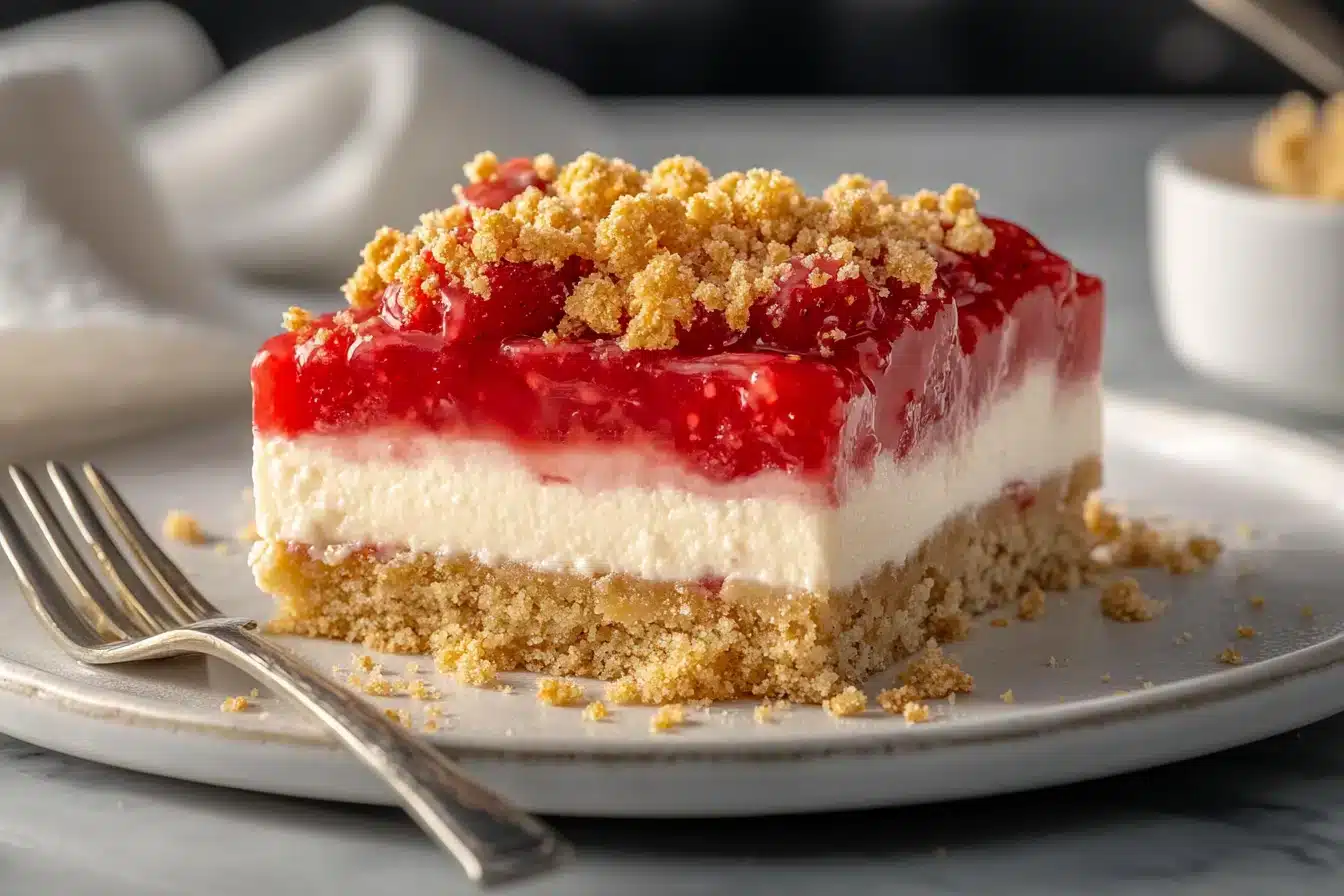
89 699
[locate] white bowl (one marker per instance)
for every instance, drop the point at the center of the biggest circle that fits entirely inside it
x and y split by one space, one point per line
1250 284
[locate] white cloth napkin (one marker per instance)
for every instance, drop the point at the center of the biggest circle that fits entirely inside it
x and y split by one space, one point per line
138 186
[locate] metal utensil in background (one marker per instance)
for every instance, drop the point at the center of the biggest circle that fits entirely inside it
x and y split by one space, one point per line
1300 34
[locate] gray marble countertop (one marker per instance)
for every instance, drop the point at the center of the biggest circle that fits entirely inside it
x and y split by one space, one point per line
1267 818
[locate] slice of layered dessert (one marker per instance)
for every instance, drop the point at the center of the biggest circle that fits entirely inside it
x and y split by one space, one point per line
703 437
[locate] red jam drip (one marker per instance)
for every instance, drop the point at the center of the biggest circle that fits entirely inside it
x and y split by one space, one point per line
729 404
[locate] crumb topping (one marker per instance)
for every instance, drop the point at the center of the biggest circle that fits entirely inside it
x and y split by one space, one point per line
849 702
559 692
178 525
662 243
1124 601
1298 147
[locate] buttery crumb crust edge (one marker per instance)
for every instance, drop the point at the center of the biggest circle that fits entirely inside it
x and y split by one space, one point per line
668 642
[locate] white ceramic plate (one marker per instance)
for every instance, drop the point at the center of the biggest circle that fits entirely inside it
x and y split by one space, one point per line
1067 722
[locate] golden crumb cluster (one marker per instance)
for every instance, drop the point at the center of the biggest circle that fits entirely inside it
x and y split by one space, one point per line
1133 543
1299 149
665 718
559 692
178 525
849 702
662 243
1124 601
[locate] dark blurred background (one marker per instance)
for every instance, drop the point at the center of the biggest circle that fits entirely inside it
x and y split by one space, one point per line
644 47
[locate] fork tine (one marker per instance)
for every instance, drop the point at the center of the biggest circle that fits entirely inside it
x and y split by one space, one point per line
96 598
150 555
43 594
154 614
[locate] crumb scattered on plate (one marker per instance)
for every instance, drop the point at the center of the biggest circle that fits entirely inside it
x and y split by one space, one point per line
559 692
1124 601
178 525
849 702
667 717
1031 605
235 704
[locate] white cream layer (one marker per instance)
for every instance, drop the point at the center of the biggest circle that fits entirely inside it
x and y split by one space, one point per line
435 495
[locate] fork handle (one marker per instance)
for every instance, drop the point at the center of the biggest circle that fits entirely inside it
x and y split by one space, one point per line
494 841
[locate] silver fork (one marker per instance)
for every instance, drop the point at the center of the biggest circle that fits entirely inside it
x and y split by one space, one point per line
161 615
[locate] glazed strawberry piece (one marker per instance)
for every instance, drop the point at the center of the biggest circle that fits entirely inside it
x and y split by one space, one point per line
827 375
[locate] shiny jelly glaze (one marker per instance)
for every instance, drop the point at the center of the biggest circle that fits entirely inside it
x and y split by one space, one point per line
822 380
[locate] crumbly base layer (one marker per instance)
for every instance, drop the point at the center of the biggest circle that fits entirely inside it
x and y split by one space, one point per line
669 642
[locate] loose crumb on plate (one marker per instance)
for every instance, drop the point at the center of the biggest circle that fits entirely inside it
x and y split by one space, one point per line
400 716
1257 602
419 689
559 692
1229 656
667 717
595 711
235 704
932 676
178 525
916 713
849 702
763 714
1007 696
1124 601
1245 631
1031 605
1133 543
467 661
1000 622
363 662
